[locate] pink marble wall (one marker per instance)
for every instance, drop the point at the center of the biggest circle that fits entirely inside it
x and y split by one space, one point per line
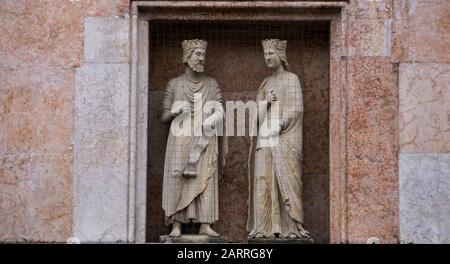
42 44
421 47
364 184
40 47
372 149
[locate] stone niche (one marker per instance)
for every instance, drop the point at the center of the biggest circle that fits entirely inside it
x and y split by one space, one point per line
235 59
316 33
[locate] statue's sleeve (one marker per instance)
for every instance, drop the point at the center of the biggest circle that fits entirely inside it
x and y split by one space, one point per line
293 107
262 104
167 103
218 97
218 94
223 140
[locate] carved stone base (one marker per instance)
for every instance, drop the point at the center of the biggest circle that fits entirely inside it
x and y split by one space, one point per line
280 240
192 239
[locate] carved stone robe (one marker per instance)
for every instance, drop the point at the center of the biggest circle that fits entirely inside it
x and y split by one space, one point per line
193 199
275 184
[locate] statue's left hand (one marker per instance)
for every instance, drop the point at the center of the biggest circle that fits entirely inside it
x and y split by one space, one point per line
209 124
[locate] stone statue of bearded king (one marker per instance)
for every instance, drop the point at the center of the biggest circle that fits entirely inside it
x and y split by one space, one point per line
275 183
194 160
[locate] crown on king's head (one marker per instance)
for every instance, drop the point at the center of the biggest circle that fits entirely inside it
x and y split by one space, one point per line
194 44
274 44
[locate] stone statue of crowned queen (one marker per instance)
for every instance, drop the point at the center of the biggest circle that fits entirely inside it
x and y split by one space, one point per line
275 176
195 152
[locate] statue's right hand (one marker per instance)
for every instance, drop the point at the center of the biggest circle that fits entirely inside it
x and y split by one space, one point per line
178 110
271 97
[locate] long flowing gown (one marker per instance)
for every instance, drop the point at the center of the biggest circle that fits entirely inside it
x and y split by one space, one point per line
193 199
275 184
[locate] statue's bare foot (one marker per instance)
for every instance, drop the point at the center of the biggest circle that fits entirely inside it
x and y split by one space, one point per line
303 232
176 230
292 236
205 229
259 235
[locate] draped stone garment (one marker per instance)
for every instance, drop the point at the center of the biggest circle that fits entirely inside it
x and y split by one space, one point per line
191 199
275 184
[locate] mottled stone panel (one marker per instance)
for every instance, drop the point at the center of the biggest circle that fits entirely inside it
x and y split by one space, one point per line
41 42
424 108
100 184
337 151
36 198
233 186
106 40
106 8
48 32
377 9
420 31
36 113
369 37
399 30
141 143
425 198
372 149
338 28
41 32
14 176
428 28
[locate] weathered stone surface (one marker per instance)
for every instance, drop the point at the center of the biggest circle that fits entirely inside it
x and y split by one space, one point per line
47 32
106 40
35 198
233 186
36 110
140 146
399 30
337 151
369 37
100 183
106 8
399 40
424 198
41 32
428 28
420 31
338 29
372 148
424 108
41 42
378 9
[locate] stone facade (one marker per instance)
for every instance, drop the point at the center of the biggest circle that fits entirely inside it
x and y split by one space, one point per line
41 71
66 122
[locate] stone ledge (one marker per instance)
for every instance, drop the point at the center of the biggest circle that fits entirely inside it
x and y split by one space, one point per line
280 241
192 239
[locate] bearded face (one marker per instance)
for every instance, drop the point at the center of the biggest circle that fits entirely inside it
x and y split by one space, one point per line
197 60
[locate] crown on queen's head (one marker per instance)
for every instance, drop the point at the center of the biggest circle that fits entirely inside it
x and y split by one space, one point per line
274 44
194 44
